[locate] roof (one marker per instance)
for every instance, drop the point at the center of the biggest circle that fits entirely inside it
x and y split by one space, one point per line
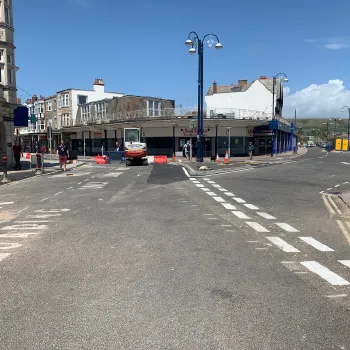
222 89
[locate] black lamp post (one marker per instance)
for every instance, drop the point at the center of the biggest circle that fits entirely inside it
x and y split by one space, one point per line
195 43
343 109
335 126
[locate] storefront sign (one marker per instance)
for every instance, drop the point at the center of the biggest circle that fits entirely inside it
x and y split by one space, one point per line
43 137
193 132
250 131
98 135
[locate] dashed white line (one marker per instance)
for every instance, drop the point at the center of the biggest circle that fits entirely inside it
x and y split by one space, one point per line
222 189
225 225
219 199
329 188
240 214
186 172
200 185
24 227
217 186
208 214
283 245
230 194
266 216
239 200
228 206
79 183
257 227
20 211
11 245
205 189
56 194
286 227
322 192
69 188
6 203
325 273
211 182
4 256
345 262
251 206
344 183
337 296
192 178
337 185
206 179
43 200
196 182
211 193
316 244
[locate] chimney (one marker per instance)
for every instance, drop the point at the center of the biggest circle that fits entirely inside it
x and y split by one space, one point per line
99 86
28 101
242 82
215 87
263 77
34 98
18 101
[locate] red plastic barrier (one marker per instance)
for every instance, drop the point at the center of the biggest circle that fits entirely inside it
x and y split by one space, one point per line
28 156
160 159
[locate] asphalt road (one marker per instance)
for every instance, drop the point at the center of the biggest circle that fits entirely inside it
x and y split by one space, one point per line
148 258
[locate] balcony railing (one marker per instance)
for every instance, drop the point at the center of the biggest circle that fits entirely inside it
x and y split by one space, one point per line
145 114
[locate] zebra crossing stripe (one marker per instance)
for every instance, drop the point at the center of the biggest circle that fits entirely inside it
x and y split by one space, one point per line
10 245
286 227
257 227
316 244
324 273
345 262
4 256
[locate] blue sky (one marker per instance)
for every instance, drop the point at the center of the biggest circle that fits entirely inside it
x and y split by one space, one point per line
137 46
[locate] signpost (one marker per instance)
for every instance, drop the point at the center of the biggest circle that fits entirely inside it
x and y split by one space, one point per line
191 128
49 135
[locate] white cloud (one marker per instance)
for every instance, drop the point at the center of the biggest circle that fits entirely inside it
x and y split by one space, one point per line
83 3
317 101
337 43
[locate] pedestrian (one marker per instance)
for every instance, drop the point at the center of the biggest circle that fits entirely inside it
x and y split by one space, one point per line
17 155
251 150
188 150
63 155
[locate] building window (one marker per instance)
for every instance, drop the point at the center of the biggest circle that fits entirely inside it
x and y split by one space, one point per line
65 120
82 100
64 100
9 59
85 112
153 108
1 55
42 124
9 76
7 16
1 80
100 110
49 106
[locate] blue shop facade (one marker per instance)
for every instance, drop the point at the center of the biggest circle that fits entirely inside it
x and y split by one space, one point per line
278 136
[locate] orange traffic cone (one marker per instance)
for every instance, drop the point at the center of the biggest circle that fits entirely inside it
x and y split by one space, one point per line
226 158
217 160
173 158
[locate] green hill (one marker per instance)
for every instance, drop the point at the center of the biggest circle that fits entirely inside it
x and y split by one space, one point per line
307 125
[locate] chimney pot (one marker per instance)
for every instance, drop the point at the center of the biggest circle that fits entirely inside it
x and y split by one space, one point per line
34 98
263 77
215 87
242 82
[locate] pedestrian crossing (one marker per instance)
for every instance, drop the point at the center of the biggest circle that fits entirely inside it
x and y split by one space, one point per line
93 185
282 238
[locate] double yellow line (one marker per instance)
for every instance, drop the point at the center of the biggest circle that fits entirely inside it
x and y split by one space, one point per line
334 210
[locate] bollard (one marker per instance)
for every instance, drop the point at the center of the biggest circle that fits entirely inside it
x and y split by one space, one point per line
5 177
42 164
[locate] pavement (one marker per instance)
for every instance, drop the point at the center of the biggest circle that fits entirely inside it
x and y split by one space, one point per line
116 257
237 163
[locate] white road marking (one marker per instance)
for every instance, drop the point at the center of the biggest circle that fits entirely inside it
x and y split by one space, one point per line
225 225
337 185
266 216
316 244
51 210
222 189
212 218
32 221
286 227
186 172
345 163
329 188
326 274
283 245
200 185
42 216
79 183
345 262
216 186
211 182
6 203
192 178
346 182
43 200
211 193
24 227
69 188
56 194
337 296
228 206
205 189
18 235
321 191
230 194
20 211
208 214
240 214
196 182
219 199
251 206
206 179
11 245
257 227
4 256
239 200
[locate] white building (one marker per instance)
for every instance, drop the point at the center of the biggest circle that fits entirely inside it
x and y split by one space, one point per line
244 100
8 91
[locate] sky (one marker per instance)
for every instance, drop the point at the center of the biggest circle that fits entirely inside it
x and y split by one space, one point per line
137 47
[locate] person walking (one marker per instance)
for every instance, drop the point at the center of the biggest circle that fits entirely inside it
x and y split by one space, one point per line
251 150
17 155
188 150
63 155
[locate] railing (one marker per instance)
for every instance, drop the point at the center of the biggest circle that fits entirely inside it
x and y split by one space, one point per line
168 113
